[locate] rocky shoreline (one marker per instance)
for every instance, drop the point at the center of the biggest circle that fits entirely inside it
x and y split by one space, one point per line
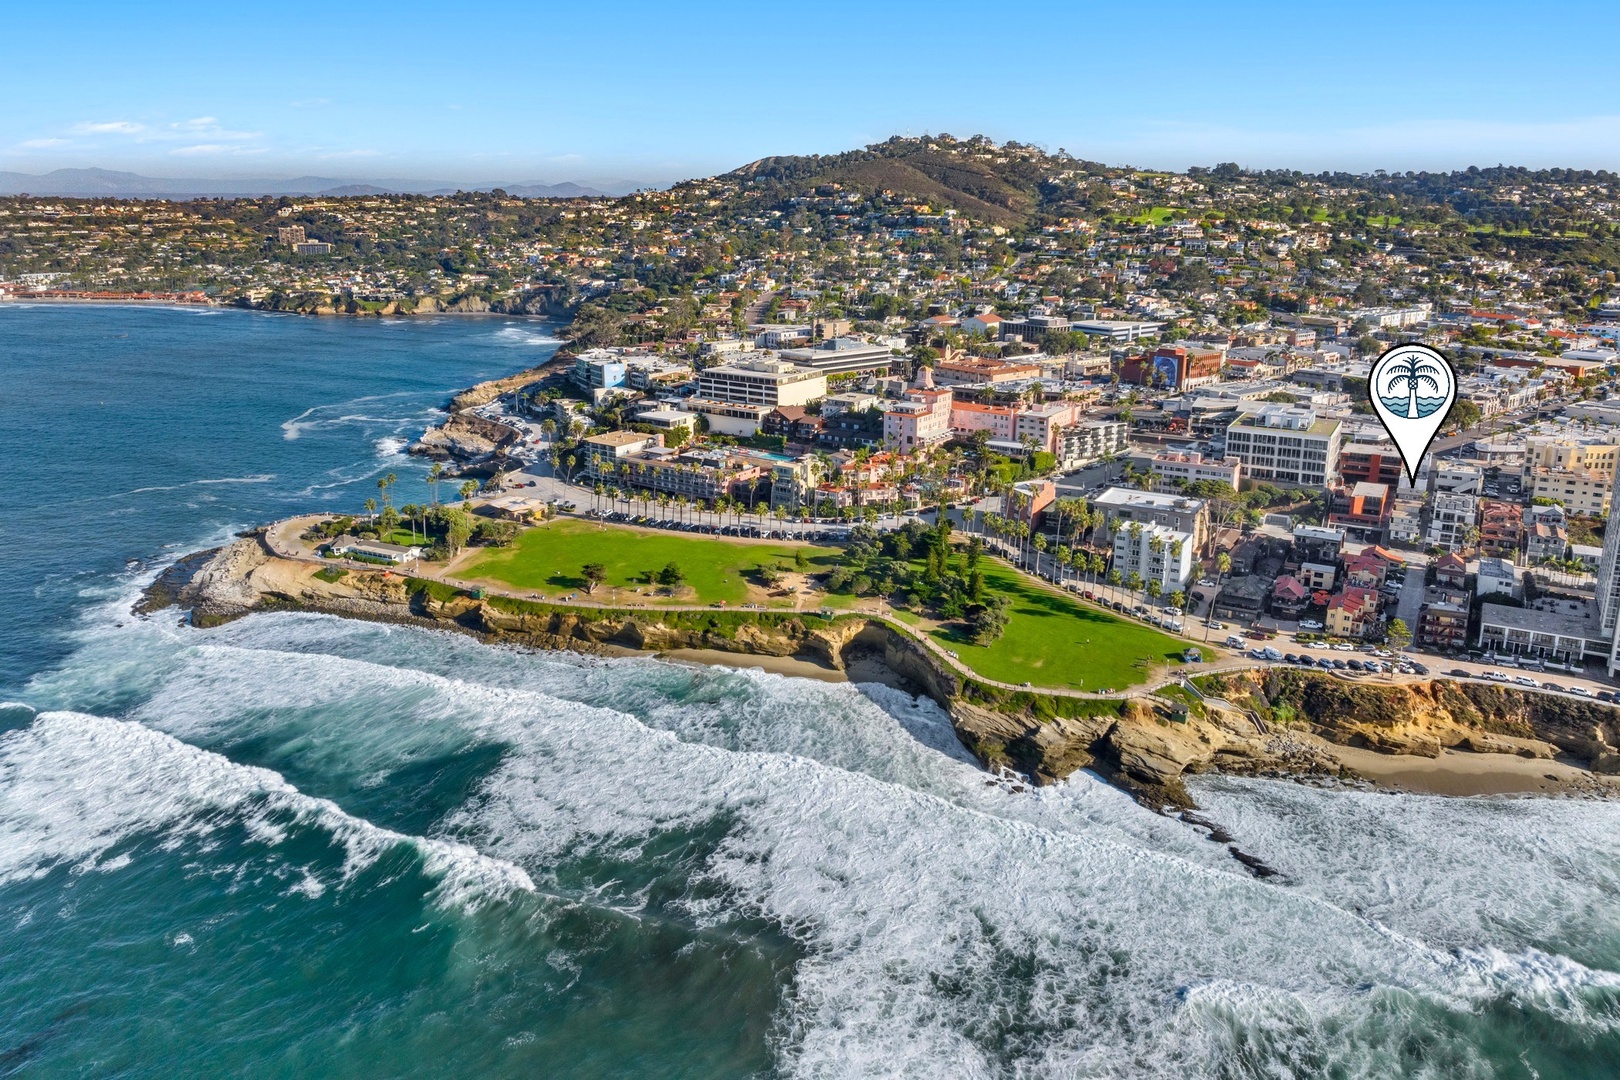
470 439
1262 723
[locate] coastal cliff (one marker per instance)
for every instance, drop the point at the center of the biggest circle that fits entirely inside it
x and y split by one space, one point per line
1259 722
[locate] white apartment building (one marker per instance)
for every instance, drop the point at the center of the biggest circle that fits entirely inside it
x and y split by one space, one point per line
1157 552
1406 522
1450 518
1171 470
1090 440
1286 444
771 383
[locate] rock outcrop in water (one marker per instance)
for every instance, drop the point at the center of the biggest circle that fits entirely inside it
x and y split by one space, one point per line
464 435
1240 723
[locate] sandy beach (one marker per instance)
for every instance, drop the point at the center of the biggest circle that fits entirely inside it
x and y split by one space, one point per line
1463 772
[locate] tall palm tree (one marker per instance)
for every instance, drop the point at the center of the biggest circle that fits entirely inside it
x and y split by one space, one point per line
434 476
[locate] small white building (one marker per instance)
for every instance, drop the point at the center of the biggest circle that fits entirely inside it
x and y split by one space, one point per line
352 547
1496 577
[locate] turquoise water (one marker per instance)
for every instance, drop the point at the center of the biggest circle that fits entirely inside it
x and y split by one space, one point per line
299 846
1401 405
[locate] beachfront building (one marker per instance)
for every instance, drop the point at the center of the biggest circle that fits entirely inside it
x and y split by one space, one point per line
1285 444
598 369
1122 506
1157 552
1352 612
352 547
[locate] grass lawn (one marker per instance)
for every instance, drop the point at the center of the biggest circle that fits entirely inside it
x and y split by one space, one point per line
1157 215
1052 640
548 558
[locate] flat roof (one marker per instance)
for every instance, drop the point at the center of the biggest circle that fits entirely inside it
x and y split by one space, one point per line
618 438
1119 496
1585 625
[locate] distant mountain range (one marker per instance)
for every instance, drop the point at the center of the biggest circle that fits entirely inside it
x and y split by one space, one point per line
105 183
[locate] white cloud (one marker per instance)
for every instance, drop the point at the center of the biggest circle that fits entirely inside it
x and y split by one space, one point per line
42 144
208 127
109 127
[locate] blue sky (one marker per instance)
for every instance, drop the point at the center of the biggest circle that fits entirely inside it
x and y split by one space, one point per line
658 92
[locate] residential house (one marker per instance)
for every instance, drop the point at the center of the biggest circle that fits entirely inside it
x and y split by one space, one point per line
1352 612
1289 598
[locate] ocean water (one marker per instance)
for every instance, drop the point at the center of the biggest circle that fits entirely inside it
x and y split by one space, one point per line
300 846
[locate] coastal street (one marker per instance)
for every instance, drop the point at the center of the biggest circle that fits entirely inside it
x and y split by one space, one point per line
284 539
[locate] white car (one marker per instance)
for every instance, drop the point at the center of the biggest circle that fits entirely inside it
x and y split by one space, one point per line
1310 624
1495 676
1581 690
1343 646
1525 680
1205 583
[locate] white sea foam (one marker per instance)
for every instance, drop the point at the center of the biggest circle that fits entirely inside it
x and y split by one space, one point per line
320 416
256 478
950 927
521 336
74 787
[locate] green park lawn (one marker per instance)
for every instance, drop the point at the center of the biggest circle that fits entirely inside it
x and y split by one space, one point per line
548 559
1156 215
1054 641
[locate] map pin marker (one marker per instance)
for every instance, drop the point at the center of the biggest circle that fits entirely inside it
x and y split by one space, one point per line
1412 388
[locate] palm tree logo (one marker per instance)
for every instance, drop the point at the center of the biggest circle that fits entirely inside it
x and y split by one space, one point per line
1404 379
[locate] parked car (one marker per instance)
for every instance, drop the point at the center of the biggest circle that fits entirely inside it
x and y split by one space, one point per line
1456 673
1310 624
1581 690
1525 680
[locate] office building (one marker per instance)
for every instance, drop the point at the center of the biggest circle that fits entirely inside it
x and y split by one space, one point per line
1285 444
762 381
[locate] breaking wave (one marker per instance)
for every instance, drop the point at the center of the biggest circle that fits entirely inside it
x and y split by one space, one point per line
946 923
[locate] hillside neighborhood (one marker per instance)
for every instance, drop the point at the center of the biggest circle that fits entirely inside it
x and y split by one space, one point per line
1144 382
